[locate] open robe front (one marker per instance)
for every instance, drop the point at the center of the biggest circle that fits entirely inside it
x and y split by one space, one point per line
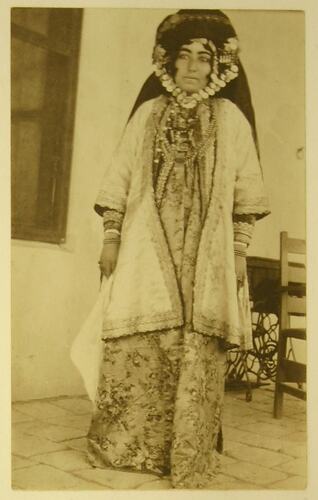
145 296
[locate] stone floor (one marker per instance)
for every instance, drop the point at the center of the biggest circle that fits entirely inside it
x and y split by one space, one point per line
48 447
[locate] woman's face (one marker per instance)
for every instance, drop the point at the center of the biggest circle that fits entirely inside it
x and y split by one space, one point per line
193 66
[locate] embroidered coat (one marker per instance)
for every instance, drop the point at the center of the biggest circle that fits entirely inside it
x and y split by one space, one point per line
145 295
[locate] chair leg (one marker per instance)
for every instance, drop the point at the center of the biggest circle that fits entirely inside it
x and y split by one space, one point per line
279 394
278 403
248 394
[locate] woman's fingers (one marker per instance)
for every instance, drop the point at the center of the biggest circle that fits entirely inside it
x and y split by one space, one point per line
107 267
239 283
240 270
108 258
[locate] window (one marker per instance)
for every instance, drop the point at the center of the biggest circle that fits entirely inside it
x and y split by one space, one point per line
44 63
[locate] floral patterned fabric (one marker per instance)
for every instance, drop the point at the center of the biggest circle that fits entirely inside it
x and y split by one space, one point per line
159 406
160 394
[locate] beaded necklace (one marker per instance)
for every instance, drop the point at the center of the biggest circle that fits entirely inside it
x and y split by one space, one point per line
179 142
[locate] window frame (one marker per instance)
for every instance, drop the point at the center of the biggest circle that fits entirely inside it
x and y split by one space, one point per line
56 146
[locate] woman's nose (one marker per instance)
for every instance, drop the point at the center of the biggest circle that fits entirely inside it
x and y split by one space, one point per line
192 65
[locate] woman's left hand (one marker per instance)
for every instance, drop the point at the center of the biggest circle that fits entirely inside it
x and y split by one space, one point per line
240 270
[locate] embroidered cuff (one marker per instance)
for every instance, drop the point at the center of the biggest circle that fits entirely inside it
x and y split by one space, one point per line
112 219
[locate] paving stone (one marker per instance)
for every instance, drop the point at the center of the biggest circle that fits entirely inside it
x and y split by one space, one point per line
56 433
232 404
79 406
234 434
257 398
299 437
294 449
256 440
291 411
300 417
238 420
67 460
294 403
266 429
87 486
44 477
256 455
261 402
75 421
301 426
17 416
234 408
291 425
254 473
291 483
298 466
77 444
41 409
27 446
20 463
280 444
157 484
223 482
261 407
115 479
266 391
285 422
226 459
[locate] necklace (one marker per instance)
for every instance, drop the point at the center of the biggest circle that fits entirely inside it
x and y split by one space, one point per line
189 101
179 141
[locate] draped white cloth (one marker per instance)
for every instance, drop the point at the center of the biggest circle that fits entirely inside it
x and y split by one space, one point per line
87 348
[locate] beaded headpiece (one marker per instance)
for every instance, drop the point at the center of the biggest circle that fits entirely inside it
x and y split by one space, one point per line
212 29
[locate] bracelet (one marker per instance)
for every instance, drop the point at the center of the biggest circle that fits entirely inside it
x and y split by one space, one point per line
113 240
240 253
112 237
240 243
111 215
243 231
113 230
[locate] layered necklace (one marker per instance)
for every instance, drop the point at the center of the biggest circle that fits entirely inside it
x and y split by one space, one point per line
179 142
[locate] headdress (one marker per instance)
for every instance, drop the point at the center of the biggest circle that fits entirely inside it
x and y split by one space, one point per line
215 26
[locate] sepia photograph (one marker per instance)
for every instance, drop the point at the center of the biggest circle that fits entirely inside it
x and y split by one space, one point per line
158 252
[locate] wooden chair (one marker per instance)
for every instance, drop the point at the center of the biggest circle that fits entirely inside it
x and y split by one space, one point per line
291 374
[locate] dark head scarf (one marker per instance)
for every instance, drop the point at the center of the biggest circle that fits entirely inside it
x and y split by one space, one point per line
200 23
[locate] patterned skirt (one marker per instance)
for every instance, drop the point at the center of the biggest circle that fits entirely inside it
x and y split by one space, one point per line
160 394
159 406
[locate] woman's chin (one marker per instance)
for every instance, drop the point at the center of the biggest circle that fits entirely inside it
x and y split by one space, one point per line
189 89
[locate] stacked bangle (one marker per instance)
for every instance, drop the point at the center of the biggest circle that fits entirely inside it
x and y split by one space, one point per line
112 231
240 253
111 236
111 240
240 248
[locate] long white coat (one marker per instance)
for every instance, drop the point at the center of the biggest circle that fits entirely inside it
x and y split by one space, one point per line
144 294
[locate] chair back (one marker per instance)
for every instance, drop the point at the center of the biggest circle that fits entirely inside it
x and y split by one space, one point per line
292 278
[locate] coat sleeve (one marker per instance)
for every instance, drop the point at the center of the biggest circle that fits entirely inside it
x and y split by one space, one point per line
249 192
116 181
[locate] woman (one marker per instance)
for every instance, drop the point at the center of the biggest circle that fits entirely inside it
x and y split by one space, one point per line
179 202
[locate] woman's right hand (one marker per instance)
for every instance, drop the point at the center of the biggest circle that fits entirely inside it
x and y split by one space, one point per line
108 258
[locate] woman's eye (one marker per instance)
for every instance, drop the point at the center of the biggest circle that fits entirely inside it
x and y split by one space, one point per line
183 56
205 59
